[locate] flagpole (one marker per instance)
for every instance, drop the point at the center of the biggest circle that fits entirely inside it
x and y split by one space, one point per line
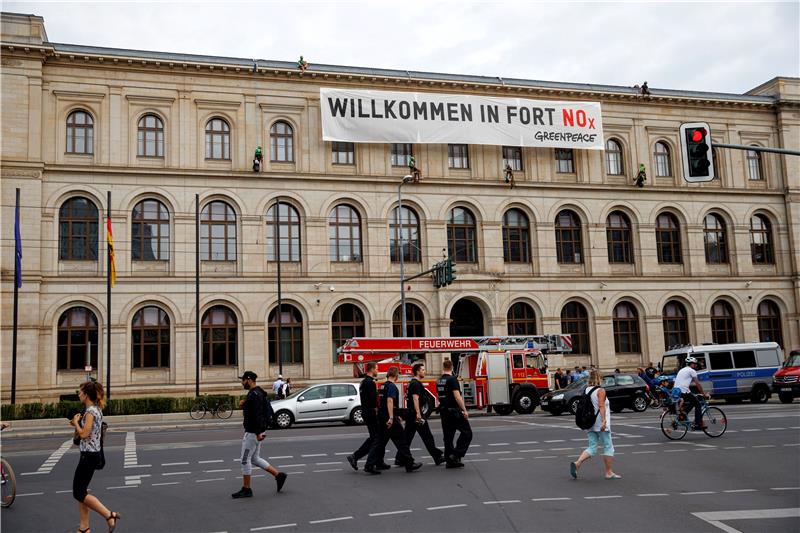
108 302
17 283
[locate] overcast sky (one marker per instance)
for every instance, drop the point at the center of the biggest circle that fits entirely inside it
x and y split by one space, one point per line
714 46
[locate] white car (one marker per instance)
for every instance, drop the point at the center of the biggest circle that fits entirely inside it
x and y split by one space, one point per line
319 403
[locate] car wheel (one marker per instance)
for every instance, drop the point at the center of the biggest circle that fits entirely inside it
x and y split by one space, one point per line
785 398
283 419
639 403
357 416
760 394
503 410
573 405
525 403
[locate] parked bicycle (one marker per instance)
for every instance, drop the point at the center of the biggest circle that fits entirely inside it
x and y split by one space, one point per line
221 409
8 482
675 424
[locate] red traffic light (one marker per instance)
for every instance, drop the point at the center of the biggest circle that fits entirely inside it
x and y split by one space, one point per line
698 135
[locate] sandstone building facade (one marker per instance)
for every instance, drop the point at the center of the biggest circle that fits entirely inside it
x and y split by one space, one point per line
574 247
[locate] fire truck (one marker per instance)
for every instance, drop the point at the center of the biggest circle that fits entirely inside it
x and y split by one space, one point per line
503 374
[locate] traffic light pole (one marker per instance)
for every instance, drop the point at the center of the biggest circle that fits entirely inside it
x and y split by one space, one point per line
755 148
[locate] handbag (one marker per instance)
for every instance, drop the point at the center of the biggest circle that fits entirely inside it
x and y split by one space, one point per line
101 463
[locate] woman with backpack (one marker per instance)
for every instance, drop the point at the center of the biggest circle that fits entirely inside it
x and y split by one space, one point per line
88 431
600 432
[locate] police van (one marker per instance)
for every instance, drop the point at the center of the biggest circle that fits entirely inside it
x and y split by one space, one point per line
730 371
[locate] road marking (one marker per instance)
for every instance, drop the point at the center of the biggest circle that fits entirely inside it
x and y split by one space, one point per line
556 440
278 457
546 457
343 453
62 491
131 459
135 480
122 487
211 461
697 492
175 473
715 518
53 460
511 459
440 507
764 446
751 430
740 490
622 445
646 451
314 455
216 471
795 444
212 479
500 502
536 450
292 466
473 460
182 463
784 488
495 453
702 445
33 493
167 483
602 497
651 444
734 447
330 520
263 528
499 444
332 463
391 512
530 442
549 499
653 494
668 451
561 449
330 470
776 429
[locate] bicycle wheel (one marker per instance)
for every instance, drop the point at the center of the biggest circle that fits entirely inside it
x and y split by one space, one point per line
9 484
716 422
671 427
224 410
198 410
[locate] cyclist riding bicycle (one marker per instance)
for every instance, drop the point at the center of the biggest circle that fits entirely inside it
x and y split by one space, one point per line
683 381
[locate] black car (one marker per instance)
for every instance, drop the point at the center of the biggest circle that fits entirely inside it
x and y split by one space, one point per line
622 390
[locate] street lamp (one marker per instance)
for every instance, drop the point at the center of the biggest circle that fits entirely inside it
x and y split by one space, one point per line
406 179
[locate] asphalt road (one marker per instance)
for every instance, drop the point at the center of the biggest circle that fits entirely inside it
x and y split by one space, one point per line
516 479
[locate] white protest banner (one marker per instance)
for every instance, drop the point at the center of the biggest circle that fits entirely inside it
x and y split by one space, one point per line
429 118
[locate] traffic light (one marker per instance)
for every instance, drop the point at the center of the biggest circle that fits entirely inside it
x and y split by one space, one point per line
698 161
438 276
450 271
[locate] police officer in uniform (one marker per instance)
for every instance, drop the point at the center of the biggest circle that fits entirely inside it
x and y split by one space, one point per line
415 422
368 392
454 416
390 427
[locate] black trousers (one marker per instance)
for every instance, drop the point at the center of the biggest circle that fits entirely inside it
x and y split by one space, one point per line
371 421
83 474
452 422
693 403
424 430
385 434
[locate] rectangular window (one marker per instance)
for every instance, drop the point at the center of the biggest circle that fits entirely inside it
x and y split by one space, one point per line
342 153
720 360
400 154
565 163
744 359
512 156
458 155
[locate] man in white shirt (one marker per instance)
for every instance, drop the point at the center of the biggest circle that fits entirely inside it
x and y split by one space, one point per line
277 385
687 376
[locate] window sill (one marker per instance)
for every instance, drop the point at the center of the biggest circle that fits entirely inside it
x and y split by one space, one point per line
218 267
79 266
626 269
147 267
571 268
675 269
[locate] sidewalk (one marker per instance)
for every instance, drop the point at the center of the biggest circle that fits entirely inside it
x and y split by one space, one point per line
51 427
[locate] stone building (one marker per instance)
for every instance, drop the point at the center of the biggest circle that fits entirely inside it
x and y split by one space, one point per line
574 247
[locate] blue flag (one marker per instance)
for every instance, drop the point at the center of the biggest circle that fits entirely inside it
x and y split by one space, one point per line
18 246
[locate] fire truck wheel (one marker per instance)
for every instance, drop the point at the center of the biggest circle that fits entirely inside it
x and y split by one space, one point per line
503 410
525 402
283 419
357 416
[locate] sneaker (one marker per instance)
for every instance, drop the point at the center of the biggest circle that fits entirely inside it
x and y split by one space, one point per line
243 493
573 470
383 466
438 460
413 466
280 479
454 464
353 462
371 470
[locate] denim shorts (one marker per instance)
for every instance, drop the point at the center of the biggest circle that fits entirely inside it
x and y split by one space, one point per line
604 438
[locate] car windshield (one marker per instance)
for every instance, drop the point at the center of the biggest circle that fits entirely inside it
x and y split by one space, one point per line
577 384
670 364
296 394
794 359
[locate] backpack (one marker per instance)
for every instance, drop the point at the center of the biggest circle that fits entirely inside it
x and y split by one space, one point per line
585 415
265 412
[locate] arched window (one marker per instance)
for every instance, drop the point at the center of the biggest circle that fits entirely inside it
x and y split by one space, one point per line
80 133
286 236
614 164
77 327
461 241
676 324
575 321
77 230
347 322
516 237
626 328
291 334
220 334
345 234
723 324
521 319
569 241
716 242
668 239
408 241
150 231
218 139
761 249
618 234
769 322
415 321
151 338
150 137
281 136
662 159
754 166
218 232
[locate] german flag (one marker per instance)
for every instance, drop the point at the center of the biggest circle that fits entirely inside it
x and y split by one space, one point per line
110 243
